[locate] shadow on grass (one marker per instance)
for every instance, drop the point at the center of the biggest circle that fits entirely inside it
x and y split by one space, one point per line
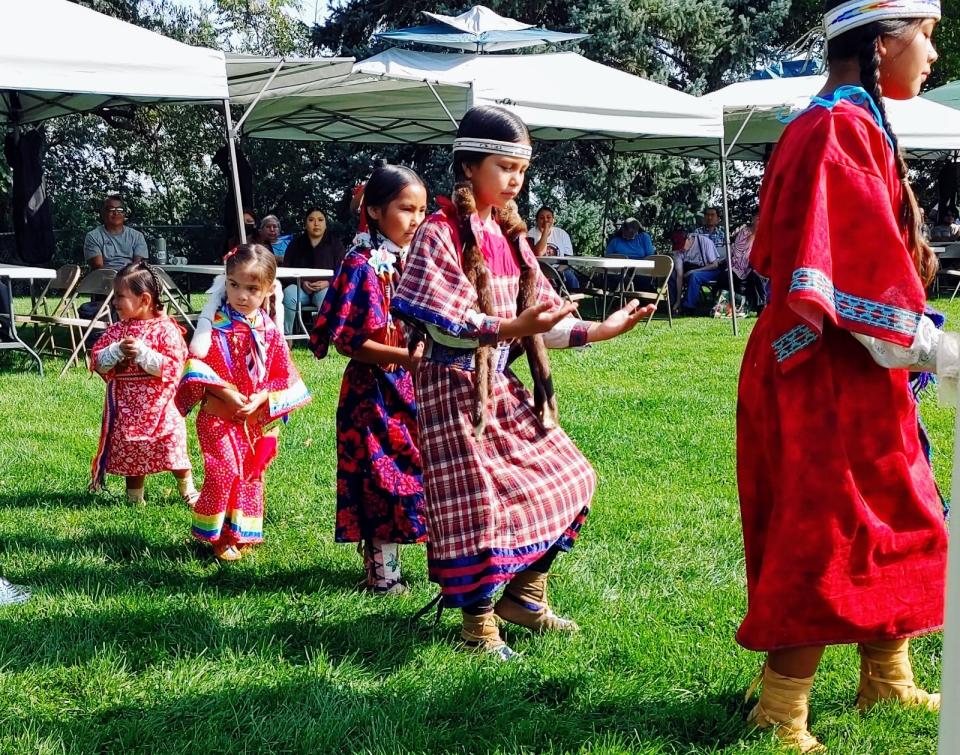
117 562
51 499
482 713
151 634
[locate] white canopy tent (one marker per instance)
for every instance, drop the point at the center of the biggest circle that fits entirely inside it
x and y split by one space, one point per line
59 58
948 94
403 96
754 113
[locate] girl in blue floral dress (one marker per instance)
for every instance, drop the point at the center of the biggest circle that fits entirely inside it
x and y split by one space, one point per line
379 479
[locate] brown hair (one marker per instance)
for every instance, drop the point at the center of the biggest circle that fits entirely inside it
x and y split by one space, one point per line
862 43
260 260
489 122
262 265
140 278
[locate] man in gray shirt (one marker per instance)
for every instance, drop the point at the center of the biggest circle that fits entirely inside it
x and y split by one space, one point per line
113 245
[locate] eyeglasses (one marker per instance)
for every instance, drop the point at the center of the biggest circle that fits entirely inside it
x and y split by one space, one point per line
116 210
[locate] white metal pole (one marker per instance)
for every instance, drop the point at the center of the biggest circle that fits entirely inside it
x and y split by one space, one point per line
260 94
950 670
231 136
726 228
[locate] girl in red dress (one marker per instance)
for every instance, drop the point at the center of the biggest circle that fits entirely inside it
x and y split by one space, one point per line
506 488
245 383
379 479
843 527
141 357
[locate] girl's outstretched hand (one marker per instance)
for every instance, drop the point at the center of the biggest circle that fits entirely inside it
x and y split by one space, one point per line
539 318
623 320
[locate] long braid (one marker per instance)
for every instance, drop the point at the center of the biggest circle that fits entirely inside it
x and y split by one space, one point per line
158 287
545 402
923 257
477 273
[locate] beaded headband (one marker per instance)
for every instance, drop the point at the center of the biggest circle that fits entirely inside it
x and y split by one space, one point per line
856 13
493 147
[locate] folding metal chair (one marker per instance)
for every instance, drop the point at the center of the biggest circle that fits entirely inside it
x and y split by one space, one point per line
556 280
176 298
95 283
47 305
662 271
950 255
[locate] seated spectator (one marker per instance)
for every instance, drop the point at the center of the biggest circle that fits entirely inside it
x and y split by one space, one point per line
547 239
713 229
677 239
748 282
926 230
630 241
947 228
315 247
250 229
742 246
111 245
269 233
696 266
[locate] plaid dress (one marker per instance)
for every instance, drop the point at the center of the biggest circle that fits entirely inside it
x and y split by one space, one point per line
497 504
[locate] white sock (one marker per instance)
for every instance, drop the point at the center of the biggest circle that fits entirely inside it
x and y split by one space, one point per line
185 486
135 495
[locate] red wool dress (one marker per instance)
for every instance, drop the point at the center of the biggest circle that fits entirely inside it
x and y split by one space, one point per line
843 529
142 431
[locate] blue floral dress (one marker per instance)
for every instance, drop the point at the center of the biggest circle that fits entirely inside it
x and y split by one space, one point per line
379 477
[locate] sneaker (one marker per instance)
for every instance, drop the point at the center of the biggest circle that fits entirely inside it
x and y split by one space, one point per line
12 595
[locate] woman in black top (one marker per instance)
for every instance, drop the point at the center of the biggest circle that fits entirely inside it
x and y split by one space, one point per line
312 248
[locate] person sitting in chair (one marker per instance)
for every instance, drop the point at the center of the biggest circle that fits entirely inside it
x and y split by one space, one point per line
695 267
111 245
947 228
630 241
547 239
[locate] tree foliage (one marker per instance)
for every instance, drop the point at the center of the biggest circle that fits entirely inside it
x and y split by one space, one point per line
159 157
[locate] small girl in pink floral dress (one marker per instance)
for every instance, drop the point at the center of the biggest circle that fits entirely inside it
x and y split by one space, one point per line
141 358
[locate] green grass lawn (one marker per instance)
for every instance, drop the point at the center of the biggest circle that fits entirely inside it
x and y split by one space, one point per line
137 641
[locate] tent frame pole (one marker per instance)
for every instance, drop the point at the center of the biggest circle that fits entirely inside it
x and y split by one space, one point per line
606 202
726 228
234 173
260 94
950 682
442 104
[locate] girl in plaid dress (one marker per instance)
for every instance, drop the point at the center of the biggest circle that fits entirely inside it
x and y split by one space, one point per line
379 481
506 489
